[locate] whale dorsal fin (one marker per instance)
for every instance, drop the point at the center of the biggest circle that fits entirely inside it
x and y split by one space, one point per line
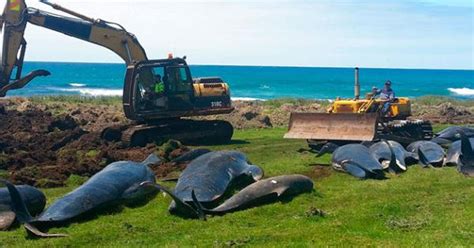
466 148
393 159
151 159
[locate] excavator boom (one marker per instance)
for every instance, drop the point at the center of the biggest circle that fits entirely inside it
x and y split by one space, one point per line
15 17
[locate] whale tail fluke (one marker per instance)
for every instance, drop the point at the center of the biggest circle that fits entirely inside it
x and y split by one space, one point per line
180 204
23 215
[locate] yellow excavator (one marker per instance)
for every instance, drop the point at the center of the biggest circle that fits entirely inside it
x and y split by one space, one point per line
358 120
157 94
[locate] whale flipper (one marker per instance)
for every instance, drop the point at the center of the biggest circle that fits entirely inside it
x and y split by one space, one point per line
354 169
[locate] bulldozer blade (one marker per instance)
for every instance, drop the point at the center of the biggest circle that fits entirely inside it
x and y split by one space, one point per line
329 126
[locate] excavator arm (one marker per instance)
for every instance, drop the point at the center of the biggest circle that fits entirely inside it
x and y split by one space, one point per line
15 17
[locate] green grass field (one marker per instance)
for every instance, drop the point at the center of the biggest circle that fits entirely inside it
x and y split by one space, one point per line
422 207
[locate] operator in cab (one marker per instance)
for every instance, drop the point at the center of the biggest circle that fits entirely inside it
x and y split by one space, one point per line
159 92
386 94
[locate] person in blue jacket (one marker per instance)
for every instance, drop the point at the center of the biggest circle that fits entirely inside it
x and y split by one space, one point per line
387 94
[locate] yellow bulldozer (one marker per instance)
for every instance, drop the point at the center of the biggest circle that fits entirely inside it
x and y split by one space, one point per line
357 120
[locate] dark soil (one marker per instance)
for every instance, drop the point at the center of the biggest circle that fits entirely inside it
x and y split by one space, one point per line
42 149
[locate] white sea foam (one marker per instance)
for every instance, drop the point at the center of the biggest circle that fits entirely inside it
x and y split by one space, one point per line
95 92
246 99
119 92
462 91
77 85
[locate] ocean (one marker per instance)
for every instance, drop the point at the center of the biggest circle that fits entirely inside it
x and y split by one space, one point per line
256 82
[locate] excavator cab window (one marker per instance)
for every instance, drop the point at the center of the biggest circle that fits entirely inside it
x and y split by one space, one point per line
177 80
165 87
179 87
148 81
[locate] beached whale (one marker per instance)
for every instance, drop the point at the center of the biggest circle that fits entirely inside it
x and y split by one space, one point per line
191 155
386 151
209 176
461 154
327 148
429 153
451 134
122 180
34 200
357 160
264 191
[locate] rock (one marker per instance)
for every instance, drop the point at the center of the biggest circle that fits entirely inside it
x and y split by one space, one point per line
76 112
66 123
24 106
3 111
315 106
250 115
287 107
266 121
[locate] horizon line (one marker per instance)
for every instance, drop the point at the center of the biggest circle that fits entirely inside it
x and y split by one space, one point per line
253 65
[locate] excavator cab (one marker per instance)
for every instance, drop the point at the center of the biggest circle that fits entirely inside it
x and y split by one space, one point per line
165 89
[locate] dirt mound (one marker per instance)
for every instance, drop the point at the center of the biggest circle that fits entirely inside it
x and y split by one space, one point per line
446 113
258 114
42 149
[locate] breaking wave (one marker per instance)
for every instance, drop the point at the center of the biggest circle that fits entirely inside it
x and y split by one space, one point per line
246 99
77 85
119 92
462 91
95 92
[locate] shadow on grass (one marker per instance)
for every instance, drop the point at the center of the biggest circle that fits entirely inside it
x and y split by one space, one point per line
270 198
110 208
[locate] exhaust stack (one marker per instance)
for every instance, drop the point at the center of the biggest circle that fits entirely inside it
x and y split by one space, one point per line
356 84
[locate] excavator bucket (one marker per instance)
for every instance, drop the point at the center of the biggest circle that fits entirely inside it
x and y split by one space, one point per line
12 50
331 126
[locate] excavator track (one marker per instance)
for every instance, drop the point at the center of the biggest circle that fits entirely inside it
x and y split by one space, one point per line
189 132
406 131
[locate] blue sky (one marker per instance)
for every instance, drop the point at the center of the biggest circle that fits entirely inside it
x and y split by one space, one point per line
341 33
